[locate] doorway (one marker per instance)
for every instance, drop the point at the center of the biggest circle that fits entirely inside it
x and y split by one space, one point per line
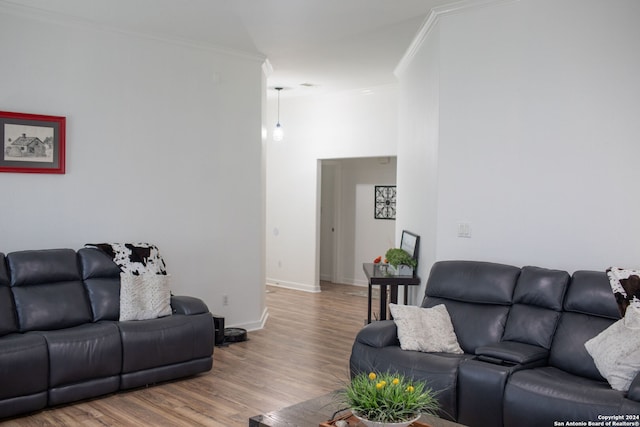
349 232
329 217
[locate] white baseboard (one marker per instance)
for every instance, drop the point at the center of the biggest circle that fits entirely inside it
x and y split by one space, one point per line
293 285
352 281
326 277
253 326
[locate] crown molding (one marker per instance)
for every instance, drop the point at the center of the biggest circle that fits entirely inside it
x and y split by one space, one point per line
13 8
267 68
432 20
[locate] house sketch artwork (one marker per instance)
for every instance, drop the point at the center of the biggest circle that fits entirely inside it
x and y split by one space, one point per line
28 143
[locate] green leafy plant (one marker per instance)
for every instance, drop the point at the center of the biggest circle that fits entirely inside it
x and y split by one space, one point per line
391 398
396 257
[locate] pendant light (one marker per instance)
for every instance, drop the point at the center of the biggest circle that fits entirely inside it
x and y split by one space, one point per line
277 132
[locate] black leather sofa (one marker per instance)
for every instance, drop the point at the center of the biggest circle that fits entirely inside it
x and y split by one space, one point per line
61 341
522 331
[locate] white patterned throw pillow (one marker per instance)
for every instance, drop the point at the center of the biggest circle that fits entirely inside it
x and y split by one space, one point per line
616 350
144 282
425 329
145 296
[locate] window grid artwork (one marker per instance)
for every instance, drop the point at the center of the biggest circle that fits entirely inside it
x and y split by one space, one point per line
385 202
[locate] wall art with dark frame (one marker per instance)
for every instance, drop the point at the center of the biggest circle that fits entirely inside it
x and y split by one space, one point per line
32 143
385 202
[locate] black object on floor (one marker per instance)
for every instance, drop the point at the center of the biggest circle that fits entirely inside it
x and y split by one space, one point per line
235 335
218 322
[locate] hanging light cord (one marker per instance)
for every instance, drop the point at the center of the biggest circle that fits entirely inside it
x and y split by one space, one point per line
278 89
277 133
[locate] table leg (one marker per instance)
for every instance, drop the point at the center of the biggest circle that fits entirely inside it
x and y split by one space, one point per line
394 294
383 302
369 305
393 297
406 292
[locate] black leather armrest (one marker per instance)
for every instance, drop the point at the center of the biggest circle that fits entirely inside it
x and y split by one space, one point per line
188 305
511 352
634 389
379 334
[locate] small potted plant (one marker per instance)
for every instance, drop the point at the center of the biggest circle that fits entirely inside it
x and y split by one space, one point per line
386 399
401 262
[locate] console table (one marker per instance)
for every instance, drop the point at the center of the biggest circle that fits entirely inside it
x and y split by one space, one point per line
380 277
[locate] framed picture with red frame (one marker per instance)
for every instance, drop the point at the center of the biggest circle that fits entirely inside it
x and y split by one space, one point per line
32 143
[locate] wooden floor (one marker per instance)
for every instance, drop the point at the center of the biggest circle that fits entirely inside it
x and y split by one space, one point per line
303 352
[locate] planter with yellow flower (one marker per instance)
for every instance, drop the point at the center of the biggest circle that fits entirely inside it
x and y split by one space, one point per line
385 399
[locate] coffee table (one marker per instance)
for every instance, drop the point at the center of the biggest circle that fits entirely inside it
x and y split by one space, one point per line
315 411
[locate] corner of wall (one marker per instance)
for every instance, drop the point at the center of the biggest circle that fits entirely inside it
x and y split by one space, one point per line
432 20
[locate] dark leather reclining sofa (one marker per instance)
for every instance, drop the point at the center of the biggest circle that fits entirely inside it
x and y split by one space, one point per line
61 341
523 333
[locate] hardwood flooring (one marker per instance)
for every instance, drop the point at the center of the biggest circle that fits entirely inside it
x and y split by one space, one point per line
303 352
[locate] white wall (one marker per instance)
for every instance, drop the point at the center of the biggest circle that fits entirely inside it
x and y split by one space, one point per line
346 125
537 133
163 145
418 154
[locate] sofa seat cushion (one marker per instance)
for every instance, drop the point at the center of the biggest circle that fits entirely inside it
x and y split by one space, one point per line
425 329
163 341
85 352
24 365
540 396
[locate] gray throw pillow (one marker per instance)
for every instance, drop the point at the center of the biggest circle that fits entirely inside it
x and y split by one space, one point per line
425 329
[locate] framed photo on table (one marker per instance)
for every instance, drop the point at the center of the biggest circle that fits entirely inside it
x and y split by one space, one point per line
410 243
32 143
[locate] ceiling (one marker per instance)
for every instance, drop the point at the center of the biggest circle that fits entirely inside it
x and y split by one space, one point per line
312 45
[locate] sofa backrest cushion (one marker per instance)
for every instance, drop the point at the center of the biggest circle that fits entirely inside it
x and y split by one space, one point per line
537 302
590 293
589 308
475 325
477 295
47 289
8 322
102 281
473 281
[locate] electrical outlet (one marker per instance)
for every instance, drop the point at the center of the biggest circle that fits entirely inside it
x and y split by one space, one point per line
225 300
464 230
